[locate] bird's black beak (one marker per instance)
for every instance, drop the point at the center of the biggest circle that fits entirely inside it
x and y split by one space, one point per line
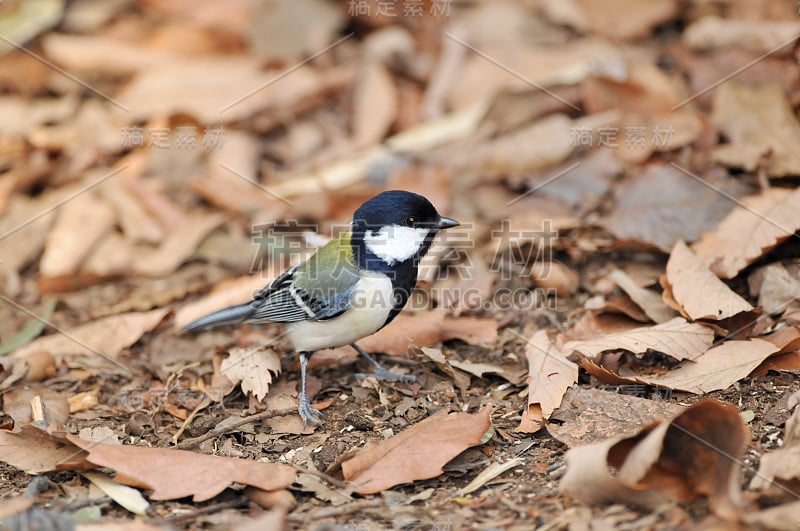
446 223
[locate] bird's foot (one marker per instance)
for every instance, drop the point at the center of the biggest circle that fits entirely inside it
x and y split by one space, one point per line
308 412
385 375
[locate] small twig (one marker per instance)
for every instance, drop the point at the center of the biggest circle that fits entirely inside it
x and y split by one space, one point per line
329 512
268 414
235 503
79 504
186 423
321 475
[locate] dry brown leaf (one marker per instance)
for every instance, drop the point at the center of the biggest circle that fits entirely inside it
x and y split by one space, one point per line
771 37
173 474
617 19
592 325
231 181
138 225
35 452
36 405
436 355
513 372
761 126
112 255
649 301
422 329
665 131
23 114
540 145
716 369
783 464
108 335
418 453
478 81
696 454
779 517
100 54
705 68
778 289
227 88
178 246
472 330
374 104
677 338
700 294
24 227
81 223
553 275
789 362
550 374
253 368
272 520
760 223
590 415
662 205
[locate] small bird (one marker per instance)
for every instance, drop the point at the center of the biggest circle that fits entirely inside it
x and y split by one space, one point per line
350 288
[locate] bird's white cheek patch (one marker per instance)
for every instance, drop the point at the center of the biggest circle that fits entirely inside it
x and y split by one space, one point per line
395 243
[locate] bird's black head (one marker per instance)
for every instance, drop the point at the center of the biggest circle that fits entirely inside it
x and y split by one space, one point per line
395 227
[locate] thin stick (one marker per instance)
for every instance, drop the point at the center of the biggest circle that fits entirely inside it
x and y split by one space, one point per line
268 414
321 475
329 512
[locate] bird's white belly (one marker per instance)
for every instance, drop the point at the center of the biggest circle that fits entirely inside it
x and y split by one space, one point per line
372 302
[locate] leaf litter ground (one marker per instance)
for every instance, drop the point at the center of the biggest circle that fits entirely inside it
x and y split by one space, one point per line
666 259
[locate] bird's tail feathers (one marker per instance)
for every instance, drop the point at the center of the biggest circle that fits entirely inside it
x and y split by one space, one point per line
232 315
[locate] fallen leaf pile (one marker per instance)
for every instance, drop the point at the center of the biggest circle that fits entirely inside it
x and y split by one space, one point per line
620 304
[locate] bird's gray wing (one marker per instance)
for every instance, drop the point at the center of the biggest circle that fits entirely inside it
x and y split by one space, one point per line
308 292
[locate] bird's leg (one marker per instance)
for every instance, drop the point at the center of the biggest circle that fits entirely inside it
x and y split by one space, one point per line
307 412
382 373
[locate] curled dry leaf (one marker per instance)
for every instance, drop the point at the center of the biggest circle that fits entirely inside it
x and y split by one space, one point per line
700 294
696 454
107 336
649 301
716 369
760 223
676 338
550 374
253 368
176 474
418 453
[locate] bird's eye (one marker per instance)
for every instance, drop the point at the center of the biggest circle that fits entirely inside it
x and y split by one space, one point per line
410 220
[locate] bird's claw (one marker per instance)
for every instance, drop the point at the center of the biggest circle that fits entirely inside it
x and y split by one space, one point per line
385 375
308 412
